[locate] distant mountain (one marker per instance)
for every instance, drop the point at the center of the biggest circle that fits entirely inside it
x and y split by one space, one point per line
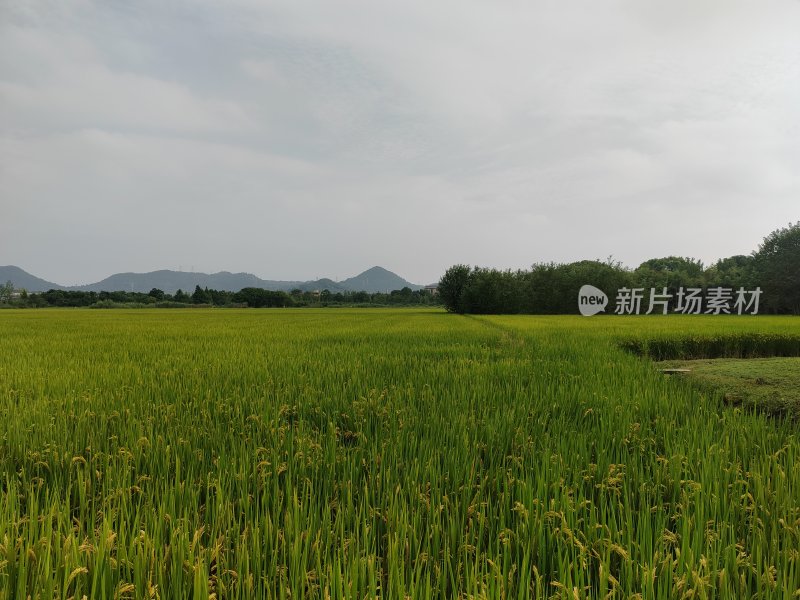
376 279
24 280
317 285
172 281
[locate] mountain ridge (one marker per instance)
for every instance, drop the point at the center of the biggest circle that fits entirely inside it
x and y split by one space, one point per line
374 279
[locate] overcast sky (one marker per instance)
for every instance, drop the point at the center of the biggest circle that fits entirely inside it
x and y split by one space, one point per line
302 139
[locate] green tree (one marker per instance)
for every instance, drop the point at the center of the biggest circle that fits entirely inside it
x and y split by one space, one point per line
777 270
6 290
451 287
261 298
491 291
733 272
671 272
201 296
551 288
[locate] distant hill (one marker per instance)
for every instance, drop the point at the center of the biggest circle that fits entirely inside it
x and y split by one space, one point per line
317 285
24 280
172 281
376 279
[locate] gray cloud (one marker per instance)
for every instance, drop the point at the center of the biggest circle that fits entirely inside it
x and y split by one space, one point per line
310 139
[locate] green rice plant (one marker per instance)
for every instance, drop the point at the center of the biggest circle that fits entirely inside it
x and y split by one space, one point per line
384 453
675 346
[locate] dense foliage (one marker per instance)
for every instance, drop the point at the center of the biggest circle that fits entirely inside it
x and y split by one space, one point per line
553 288
777 264
377 453
204 297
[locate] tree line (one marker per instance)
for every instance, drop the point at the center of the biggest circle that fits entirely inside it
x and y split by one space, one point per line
203 297
552 288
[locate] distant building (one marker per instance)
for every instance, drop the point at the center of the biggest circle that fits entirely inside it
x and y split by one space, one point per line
432 289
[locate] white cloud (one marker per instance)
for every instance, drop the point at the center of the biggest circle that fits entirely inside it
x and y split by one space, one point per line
353 133
72 89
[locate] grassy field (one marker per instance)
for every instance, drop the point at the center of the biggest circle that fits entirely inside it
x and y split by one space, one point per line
393 453
771 385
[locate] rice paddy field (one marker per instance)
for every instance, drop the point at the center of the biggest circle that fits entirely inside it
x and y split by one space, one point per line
386 453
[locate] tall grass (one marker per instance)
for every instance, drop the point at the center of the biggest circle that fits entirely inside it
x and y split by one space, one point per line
691 347
353 454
